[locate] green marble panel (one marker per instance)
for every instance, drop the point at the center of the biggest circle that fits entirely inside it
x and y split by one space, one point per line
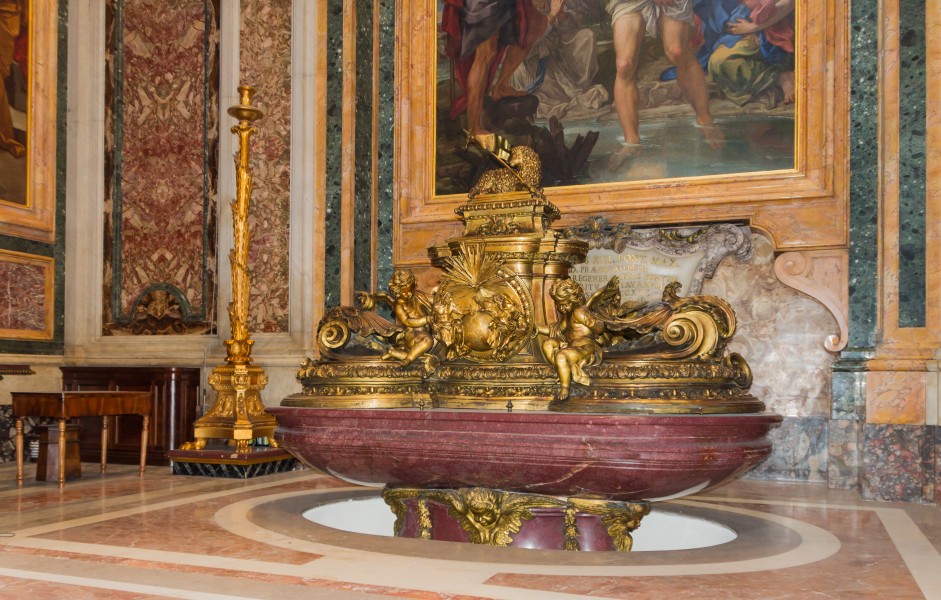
386 134
362 240
334 151
864 167
912 153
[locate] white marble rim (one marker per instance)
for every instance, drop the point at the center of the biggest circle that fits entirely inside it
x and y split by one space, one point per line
816 544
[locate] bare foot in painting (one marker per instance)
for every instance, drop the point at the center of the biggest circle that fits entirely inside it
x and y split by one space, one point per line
622 155
786 81
712 134
505 91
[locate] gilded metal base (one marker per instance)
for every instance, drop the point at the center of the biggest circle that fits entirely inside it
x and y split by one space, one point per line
238 413
665 387
517 386
495 517
361 383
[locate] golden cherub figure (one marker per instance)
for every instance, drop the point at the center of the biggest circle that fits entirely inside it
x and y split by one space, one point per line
412 309
572 342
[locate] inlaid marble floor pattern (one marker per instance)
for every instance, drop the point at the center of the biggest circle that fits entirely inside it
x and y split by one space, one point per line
162 536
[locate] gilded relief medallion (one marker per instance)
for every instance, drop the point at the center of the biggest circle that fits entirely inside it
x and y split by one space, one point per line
481 310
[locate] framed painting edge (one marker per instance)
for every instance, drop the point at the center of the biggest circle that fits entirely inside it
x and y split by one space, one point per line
36 220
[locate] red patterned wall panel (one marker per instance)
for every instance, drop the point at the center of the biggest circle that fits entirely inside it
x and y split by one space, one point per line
160 258
265 57
26 296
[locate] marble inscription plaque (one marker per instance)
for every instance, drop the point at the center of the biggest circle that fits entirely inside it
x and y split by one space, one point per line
642 273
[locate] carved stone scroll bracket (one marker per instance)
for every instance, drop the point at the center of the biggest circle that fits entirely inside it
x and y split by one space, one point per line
824 276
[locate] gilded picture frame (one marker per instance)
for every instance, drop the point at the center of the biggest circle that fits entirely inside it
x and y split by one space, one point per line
805 207
35 218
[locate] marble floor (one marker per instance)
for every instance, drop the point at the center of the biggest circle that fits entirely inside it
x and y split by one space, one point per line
162 536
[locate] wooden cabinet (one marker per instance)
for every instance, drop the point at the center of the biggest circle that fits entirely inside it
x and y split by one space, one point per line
176 395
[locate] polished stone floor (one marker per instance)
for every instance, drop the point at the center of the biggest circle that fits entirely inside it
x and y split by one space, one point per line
120 536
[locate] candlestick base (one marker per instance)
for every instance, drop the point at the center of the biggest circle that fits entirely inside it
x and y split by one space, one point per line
238 413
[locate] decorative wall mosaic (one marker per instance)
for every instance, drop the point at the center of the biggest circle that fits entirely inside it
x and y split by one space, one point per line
265 59
161 161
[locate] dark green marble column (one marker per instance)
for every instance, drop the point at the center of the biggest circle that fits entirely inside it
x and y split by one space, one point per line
849 390
334 151
386 156
912 154
362 203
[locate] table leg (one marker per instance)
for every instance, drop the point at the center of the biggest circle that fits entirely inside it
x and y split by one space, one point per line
143 444
19 451
104 443
61 452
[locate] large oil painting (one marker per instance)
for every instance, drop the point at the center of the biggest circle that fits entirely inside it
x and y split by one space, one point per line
14 99
613 91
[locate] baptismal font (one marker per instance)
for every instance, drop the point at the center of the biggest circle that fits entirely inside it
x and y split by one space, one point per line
507 407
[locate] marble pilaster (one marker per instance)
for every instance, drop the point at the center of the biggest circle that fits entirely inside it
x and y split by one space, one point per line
864 168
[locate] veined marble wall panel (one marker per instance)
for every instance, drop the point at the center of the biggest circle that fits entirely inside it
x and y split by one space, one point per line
26 296
781 333
160 177
265 59
896 397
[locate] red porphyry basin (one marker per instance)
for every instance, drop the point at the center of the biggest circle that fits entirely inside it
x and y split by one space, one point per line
620 457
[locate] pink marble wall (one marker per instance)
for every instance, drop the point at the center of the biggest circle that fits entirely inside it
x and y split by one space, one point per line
265 58
167 123
22 296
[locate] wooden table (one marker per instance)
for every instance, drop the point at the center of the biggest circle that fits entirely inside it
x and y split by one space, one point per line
66 405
